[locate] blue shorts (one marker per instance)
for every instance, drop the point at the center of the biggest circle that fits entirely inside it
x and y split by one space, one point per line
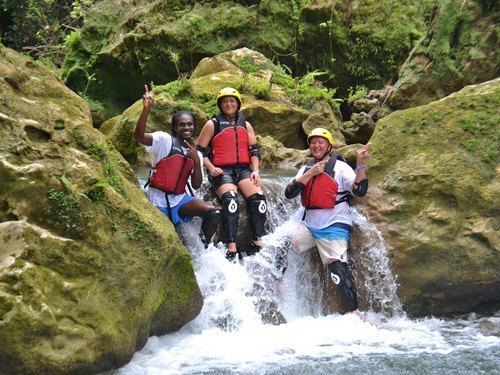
333 232
176 218
332 242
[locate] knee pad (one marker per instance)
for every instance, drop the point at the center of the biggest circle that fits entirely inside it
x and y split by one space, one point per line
342 279
230 214
257 208
210 221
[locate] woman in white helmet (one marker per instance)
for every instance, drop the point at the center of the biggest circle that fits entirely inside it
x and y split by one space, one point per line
232 158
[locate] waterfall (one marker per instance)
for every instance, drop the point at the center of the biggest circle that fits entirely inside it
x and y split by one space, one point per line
240 328
254 288
379 283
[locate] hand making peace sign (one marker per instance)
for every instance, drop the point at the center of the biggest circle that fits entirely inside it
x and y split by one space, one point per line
148 98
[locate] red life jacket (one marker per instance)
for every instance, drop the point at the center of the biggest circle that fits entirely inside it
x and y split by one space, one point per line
230 143
172 172
321 191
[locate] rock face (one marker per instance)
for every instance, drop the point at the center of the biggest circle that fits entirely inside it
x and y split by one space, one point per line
435 194
129 42
88 267
126 42
271 116
460 48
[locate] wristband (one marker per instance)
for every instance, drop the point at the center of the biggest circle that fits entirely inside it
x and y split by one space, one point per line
256 171
360 167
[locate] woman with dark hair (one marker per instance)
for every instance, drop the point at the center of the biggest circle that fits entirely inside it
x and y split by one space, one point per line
232 158
174 161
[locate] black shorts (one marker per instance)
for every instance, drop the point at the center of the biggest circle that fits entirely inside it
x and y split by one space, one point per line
232 175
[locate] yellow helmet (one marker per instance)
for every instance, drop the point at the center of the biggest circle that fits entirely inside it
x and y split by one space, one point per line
228 91
320 132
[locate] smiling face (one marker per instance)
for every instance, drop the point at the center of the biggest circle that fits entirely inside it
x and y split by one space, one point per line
319 147
229 106
184 127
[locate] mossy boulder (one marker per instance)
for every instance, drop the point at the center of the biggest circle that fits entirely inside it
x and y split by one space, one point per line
281 121
124 43
435 195
276 156
323 115
460 48
264 103
88 267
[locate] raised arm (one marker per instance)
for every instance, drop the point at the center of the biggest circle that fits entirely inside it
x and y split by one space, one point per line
360 186
140 134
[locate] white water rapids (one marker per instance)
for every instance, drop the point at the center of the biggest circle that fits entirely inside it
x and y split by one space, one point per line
230 337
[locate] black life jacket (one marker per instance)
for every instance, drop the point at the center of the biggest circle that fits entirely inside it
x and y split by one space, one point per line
229 144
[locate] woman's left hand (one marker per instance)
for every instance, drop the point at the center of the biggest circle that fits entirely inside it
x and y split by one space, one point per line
363 154
255 178
193 152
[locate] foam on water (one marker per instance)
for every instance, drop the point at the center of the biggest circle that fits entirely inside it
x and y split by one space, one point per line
229 336
255 348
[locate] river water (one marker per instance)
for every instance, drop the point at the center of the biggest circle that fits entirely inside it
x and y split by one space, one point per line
233 334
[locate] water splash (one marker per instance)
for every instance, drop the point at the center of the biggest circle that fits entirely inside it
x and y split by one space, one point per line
379 282
231 334
236 294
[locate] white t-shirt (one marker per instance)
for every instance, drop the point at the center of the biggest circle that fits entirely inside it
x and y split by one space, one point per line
341 213
162 144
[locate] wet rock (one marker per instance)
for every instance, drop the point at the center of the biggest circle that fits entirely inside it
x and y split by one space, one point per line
89 269
434 193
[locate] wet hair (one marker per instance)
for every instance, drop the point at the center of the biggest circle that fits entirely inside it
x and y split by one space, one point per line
175 120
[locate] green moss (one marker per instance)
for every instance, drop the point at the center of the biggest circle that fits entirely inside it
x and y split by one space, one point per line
65 210
248 64
180 88
136 229
99 153
261 90
160 300
182 288
152 253
5 307
59 125
97 189
461 125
